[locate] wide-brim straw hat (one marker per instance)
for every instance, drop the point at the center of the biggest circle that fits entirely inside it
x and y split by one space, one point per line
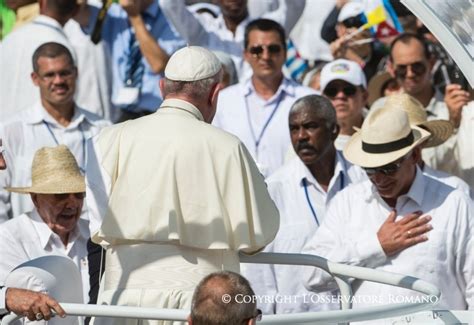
386 135
54 171
375 86
441 130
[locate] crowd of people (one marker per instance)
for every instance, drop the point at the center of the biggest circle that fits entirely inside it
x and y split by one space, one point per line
151 142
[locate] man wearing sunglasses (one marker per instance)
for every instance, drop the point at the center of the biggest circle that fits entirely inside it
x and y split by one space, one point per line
256 110
400 220
343 83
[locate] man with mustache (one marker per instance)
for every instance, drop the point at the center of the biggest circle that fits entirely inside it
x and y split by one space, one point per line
256 109
302 189
54 120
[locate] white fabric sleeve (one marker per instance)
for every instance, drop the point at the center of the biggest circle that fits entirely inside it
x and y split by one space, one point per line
287 14
187 25
98 183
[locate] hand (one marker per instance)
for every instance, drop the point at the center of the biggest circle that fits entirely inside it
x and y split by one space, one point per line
338 48
455 98
29 303
132 7
395 236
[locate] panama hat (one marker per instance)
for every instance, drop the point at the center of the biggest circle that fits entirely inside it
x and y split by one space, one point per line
54 171
440 130
386 135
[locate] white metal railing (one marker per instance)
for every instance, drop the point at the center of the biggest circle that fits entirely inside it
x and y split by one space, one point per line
341 273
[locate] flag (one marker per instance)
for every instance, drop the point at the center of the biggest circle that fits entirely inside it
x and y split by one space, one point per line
295 64
380 13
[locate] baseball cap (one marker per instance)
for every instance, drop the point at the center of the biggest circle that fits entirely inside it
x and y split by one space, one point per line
345 70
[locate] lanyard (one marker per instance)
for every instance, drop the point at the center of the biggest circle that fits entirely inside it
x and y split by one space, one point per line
83 143
257 140
313 211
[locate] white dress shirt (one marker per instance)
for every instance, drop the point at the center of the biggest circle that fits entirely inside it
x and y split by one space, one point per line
29 131
297 225
242 112
28 236
349 235
213 34
18 92
451 180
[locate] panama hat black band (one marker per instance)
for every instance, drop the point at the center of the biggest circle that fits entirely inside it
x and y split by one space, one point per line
390 146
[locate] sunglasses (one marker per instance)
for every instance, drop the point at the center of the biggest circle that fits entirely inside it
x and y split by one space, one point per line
353 22
347 90
417 68
258 49
388 169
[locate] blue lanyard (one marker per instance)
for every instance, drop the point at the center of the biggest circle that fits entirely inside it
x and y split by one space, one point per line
257 140
313 211
83 143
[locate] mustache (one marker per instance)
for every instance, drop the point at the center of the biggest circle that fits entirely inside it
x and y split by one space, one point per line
303 145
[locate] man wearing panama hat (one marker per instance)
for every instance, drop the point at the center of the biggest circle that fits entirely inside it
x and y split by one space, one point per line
441 131
53 227
399 220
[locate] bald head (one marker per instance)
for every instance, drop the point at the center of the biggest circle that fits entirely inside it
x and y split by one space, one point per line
208 306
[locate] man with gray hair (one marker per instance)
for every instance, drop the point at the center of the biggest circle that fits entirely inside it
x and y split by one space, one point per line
302 190
224 298
172 197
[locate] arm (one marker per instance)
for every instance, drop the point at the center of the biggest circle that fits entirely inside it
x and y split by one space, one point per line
151 50
328 30
187 25
287 14
455 98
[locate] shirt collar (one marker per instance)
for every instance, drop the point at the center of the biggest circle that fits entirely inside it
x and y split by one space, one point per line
302 172
45 233
286 85
182 105
38 114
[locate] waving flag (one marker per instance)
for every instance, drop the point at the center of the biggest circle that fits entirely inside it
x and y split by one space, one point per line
380 13
295 64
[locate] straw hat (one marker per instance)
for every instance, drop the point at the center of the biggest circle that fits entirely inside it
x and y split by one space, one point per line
386 135
375 86
54 171
440 130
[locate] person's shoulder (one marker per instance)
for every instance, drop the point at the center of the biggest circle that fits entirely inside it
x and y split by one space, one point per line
284 173
14 227
94 119
301 90
231 91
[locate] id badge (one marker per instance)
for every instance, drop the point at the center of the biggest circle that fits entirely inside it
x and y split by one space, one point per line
127 96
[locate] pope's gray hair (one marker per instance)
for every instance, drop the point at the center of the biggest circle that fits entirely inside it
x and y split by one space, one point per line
193 89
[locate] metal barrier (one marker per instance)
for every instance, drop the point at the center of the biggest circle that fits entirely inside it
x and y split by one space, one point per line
341 273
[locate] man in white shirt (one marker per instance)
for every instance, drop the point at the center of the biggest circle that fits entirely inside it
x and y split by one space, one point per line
343 83
54 120
226 32
53 227
256 110
302 189
34 305
399 220
54 24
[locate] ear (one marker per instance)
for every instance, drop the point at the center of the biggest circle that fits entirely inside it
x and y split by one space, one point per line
416 155
365 96
391 69
161 83
335 131
35 78
189 320
34 198
214 94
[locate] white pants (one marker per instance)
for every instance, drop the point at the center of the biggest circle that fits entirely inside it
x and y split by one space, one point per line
157 276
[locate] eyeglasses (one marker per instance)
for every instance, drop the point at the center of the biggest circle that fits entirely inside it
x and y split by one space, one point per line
348 90
388 169
417 68
353 22
258 49
62 197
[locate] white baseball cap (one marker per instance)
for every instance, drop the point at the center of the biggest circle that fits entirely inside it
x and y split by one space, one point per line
350 9
192 63
343 69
